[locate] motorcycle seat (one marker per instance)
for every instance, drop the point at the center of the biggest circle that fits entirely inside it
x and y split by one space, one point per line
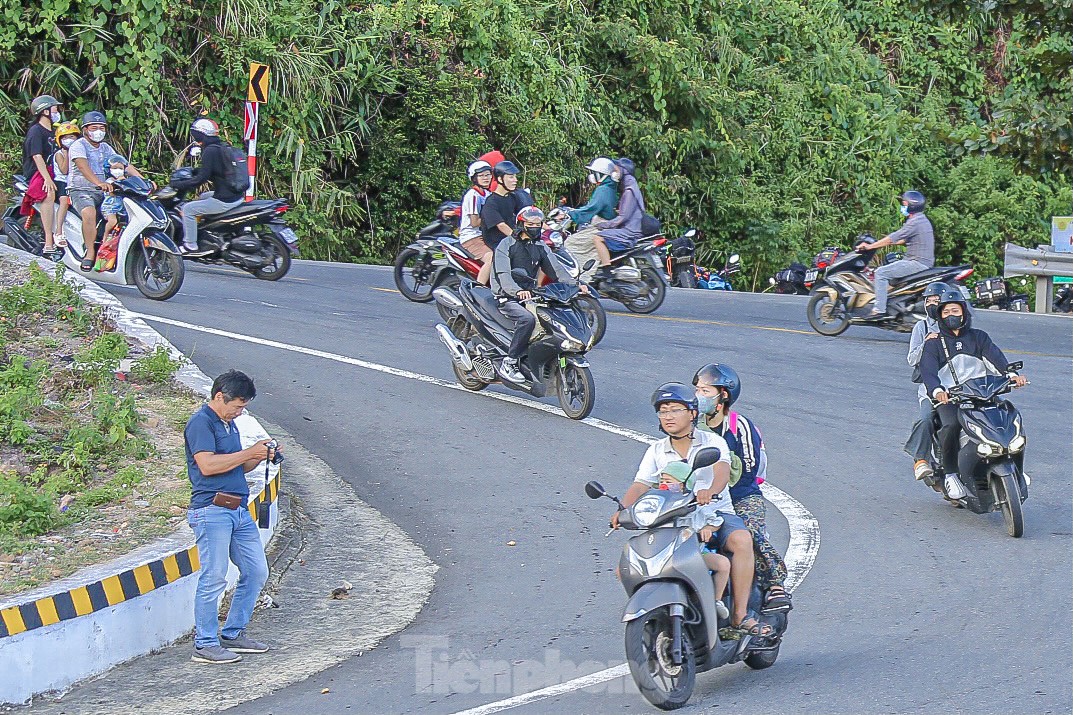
488 306
245 208
934 271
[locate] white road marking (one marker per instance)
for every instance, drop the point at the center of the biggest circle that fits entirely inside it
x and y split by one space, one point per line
804 528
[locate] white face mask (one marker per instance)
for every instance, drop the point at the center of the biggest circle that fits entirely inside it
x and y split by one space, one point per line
96 135
119 173
54 116
67 142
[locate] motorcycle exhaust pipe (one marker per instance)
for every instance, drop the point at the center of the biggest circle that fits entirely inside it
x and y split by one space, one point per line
455 346
447 298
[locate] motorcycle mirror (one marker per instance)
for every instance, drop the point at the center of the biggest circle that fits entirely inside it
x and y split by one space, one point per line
734 258
706 458
594 490
690 233
771 281
589 264
1015 365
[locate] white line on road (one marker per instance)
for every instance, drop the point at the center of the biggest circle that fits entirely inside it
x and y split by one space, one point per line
804 528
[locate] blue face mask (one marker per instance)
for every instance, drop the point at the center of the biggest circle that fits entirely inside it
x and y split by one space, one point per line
707 405
905 210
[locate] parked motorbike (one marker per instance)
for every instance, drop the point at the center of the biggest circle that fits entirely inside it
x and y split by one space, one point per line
719 280
992 457
1000 294
252 236
421 266
1063 299
681 260
844 294
797 279
479 335
672 627
145 256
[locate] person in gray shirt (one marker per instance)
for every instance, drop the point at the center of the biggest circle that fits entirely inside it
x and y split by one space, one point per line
918 237
923 434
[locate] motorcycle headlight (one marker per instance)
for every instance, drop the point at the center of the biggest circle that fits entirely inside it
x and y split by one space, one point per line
996 447
984 450
645 510
1017 443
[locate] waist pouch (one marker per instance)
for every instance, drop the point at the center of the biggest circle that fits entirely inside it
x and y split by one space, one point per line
228 501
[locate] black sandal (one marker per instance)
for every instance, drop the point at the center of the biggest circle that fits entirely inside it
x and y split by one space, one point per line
87 264
752 627
778 601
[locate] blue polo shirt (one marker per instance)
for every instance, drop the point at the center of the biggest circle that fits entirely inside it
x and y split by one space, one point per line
206 432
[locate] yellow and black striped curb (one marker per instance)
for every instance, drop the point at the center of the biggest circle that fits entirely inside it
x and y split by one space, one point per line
113 590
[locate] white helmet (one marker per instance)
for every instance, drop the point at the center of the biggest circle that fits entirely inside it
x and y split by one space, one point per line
601 166
206 126
476 168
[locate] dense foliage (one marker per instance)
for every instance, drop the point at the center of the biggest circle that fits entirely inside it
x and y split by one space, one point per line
774 127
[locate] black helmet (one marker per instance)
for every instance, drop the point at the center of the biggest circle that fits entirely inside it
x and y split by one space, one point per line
936 289
720 376
953 295
915 199
503 168
674 392
93 118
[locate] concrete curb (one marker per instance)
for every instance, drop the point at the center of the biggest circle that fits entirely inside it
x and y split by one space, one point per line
106 614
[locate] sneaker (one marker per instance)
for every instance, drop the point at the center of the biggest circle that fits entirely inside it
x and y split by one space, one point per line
214 654
509 370
243 644
193 251
922 470
954 488
722 610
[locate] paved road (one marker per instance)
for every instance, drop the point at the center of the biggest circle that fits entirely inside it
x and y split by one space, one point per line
911 605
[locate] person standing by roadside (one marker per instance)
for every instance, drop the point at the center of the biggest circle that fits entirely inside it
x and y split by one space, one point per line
37 150
223 527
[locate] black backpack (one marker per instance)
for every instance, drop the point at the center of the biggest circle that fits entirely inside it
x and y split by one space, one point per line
238 172
650 225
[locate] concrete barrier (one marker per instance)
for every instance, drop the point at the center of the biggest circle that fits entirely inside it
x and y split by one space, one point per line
80 626
1043 263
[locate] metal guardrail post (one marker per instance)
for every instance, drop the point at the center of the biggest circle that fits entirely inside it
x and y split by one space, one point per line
1044 294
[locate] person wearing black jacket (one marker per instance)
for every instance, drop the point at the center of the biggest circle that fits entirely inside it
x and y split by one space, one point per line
216 167
960 353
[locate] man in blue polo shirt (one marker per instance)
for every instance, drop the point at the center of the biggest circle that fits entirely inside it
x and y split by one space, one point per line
223 527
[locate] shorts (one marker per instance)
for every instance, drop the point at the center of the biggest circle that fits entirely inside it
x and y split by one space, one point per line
112 206
61 189
82 199
615 244
476 247
731 523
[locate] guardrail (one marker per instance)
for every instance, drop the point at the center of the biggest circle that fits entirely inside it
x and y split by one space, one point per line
1044 264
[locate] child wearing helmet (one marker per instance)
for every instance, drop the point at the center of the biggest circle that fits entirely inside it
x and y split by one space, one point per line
469 229
112 206
923 434
718 388
66 134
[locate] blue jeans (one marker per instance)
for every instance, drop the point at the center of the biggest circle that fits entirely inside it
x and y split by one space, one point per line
221 535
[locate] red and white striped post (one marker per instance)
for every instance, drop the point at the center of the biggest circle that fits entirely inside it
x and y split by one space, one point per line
250 135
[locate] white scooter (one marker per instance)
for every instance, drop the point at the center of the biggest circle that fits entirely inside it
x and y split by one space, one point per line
145 257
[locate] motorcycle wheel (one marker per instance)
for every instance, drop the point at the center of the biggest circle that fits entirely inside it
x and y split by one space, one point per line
161 277
657 291
761 659
686 278
1008 496
576 390
648 644
837 319
410 264
471 383
595 316
281 259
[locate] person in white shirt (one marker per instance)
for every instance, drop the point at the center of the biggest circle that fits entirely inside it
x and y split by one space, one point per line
676 406
469 225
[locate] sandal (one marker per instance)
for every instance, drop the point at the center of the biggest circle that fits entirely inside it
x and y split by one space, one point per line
86 265
752 627
778 601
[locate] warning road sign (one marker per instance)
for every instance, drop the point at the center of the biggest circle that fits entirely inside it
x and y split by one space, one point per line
251 121
258 88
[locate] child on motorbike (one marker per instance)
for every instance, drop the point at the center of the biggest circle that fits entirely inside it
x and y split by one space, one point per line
112 206
705 520
66 134
469 228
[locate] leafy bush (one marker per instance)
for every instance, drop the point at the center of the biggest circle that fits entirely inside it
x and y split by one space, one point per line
24 510
97 363
156 367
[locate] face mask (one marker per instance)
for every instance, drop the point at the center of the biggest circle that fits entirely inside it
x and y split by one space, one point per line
954 322
97 135
119 173
592 179
54 116
707 405
532 232
932 311
616 175
67 142
905 210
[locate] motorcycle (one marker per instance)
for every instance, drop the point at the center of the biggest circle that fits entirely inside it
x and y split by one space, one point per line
672 627
843 294
144 254
998 293
251 236
992 456
1063 299
681 260
479 335
719 280
798 280
422 266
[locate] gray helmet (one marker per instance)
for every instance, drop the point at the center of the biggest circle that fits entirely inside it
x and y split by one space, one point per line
43 103
720 376
94 118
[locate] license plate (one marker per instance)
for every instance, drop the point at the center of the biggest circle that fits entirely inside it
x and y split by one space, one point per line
288 235
811 275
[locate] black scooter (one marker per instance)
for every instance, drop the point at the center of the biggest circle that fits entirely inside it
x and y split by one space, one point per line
479 335
252 236
638 279
682 260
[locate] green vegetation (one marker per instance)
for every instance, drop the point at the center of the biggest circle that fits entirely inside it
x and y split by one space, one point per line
775 128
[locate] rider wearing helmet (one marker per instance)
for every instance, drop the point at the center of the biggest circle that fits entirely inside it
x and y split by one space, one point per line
959 353
499 213
469 229
523 250
676 407
923 434
917 236
718 388
619 233
604 199
66 133
87 179
216 168
37 150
